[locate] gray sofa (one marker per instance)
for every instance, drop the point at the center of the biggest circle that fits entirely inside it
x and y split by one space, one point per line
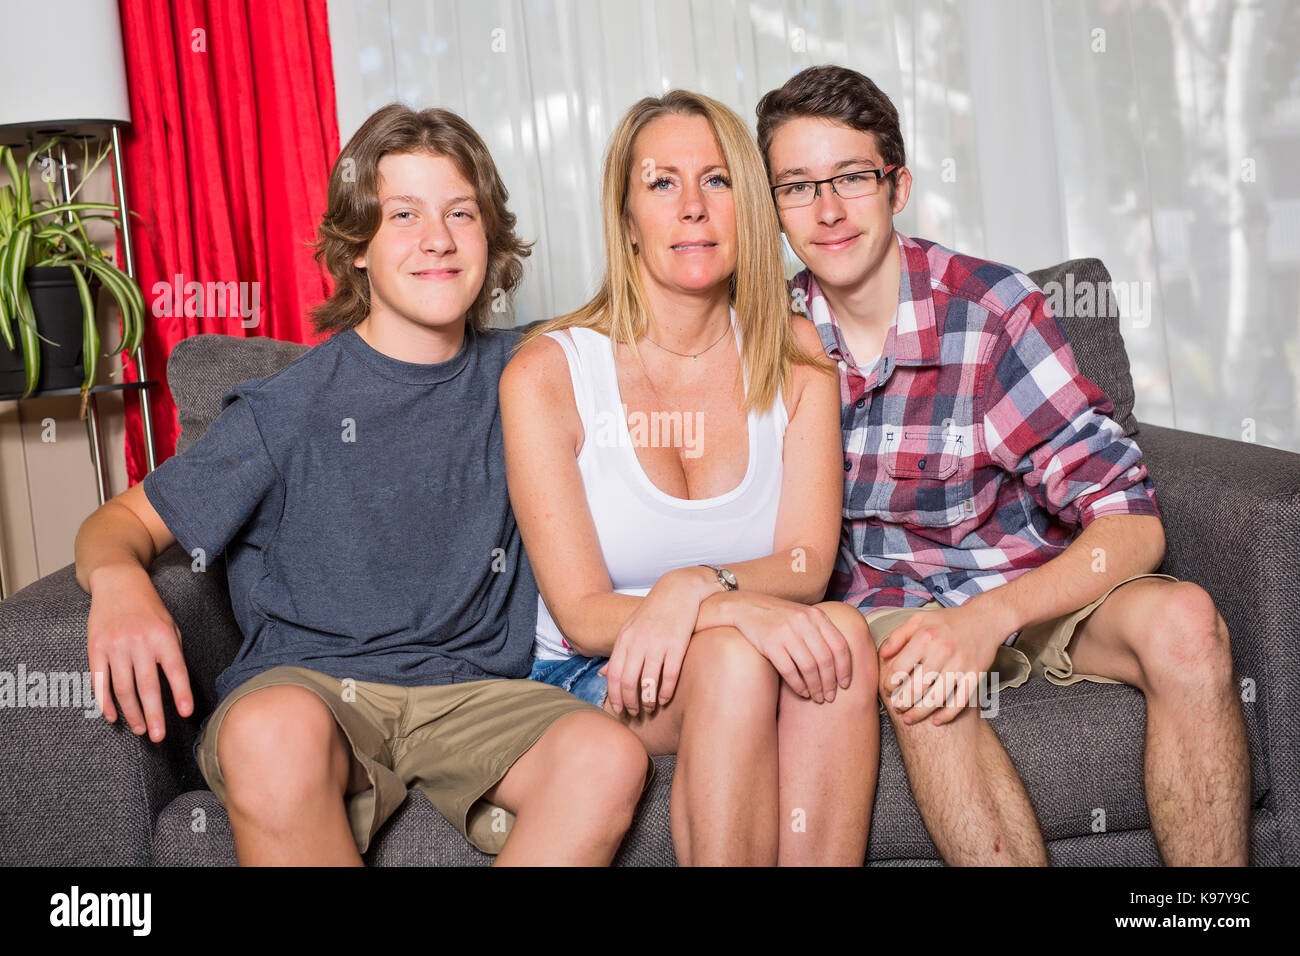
77 790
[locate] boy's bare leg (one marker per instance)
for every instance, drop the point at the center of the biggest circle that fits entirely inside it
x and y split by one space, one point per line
829 758
969 794
573 793
285 792
1167 639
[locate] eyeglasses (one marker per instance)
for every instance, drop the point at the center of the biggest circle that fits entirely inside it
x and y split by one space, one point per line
855 185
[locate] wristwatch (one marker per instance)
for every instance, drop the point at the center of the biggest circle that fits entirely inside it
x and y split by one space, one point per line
726 579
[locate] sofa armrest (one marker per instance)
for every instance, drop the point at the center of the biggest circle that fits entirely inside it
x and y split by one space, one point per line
1231 513
77 789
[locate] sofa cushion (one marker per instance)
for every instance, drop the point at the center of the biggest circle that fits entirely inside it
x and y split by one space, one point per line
203 368
1094 338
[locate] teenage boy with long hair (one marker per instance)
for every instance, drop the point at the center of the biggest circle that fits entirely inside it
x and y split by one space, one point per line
376 570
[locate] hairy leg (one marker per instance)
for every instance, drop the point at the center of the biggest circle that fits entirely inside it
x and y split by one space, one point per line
287 767
969 794
829 755
1168 640
721 723
573 793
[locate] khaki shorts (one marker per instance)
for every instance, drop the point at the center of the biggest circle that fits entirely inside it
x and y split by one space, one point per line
453 742
1038 650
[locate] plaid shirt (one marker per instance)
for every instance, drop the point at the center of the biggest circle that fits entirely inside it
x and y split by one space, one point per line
974 448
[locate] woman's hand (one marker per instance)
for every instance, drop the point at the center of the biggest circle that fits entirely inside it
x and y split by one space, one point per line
807 650
647 658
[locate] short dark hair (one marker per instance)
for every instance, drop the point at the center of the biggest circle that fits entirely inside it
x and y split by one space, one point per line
352 214
835 93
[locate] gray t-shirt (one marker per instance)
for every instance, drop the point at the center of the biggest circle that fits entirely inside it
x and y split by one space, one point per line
362 505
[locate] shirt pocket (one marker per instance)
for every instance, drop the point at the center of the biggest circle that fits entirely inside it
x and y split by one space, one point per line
921 453
928 477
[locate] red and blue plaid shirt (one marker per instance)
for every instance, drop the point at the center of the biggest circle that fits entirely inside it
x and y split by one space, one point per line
974 449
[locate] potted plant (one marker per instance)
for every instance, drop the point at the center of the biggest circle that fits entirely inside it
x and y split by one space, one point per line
49 272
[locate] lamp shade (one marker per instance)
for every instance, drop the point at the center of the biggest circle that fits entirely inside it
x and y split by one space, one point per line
62 69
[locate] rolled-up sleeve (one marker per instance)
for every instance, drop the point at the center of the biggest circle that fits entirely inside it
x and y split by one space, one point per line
1045 421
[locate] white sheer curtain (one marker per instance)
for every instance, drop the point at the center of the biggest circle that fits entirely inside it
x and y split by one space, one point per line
1160 137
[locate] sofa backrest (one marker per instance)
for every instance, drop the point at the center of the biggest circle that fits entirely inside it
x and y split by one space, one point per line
203 368
1094 337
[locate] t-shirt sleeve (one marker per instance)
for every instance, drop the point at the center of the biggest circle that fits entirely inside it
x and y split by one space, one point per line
206 494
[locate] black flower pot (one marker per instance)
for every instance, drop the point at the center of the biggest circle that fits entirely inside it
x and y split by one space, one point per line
57 306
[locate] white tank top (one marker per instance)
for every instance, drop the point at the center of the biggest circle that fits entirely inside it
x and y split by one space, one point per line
644 532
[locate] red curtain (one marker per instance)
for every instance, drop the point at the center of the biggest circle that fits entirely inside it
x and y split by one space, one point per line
227 161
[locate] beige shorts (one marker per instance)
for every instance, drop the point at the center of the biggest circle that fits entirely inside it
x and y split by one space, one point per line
1040 649
453 742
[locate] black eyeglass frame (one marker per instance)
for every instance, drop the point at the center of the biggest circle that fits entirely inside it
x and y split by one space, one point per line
817 184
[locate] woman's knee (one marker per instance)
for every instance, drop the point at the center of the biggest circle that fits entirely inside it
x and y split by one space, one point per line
858 701
721 665
726 652
850 622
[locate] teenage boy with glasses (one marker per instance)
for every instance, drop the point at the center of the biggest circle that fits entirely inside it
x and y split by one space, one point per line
983 477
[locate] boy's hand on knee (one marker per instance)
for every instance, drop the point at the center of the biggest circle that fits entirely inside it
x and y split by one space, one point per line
934 660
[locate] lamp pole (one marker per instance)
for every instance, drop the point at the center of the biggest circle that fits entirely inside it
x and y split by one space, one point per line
128 256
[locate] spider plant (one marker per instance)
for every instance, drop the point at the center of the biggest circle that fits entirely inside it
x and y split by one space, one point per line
51 232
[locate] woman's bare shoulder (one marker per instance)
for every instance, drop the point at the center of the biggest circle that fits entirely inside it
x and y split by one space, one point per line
538 363
805 333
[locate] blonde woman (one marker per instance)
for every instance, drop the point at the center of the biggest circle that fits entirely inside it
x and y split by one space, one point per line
673 458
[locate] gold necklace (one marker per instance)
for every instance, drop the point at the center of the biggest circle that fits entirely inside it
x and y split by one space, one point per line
686 354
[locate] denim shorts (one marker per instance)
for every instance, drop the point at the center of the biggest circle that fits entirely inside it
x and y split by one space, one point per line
578 675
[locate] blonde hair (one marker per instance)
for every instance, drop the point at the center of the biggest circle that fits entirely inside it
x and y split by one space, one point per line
619 309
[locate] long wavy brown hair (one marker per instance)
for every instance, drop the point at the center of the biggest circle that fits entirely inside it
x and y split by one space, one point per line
758 289
352 214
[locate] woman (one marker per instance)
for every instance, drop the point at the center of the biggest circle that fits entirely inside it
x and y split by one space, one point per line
673 458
